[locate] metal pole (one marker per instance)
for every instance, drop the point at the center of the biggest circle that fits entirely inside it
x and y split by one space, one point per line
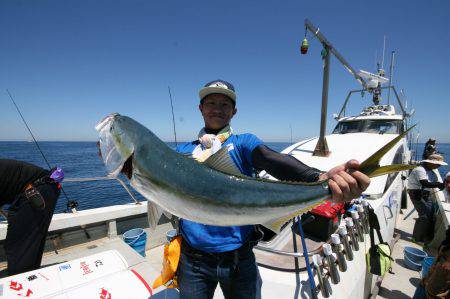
321 149
391 75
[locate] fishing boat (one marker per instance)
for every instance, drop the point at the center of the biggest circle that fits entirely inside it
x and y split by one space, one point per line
295 266
86 256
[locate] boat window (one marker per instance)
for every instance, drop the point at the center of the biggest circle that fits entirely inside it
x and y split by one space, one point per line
383 126
369 126
348 127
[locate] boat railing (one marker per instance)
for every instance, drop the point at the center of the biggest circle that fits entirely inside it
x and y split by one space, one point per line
289 253
104 178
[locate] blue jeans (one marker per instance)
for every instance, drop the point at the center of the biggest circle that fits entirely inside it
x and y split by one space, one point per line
199 274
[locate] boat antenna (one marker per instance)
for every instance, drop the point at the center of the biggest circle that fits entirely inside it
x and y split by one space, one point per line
376 59
71 204
391 74
173 118
384 49
290 126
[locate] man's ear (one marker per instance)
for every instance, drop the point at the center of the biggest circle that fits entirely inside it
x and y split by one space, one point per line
200 107
234 111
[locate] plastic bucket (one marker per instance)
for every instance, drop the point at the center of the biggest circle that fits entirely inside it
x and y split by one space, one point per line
136 238
410 264
414 254
426 264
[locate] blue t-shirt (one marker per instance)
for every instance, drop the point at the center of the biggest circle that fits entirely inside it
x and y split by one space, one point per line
210 238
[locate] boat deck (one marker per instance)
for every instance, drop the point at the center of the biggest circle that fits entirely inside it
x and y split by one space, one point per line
401 284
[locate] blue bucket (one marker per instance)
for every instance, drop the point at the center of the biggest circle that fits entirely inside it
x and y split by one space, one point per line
410 264
414 254
426 264
136 238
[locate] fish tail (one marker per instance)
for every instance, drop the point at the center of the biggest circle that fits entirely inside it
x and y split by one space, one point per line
371 166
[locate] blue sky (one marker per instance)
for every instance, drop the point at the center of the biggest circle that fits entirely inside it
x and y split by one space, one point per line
70 63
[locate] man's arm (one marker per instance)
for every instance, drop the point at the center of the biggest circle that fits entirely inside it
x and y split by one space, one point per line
345 181
283 167
428 184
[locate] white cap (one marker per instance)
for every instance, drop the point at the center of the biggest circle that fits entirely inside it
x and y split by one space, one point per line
317 259
335 239
355 215
327 249
349 221
342 230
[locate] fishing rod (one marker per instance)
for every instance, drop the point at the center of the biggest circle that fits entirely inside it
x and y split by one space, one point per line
173 118
29 130
71 204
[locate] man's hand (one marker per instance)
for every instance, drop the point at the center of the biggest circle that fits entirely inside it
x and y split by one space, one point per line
346 182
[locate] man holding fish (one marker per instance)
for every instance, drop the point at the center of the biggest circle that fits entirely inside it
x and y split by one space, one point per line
208 183
223 254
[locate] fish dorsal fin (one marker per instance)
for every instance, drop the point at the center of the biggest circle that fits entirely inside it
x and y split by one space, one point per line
221 161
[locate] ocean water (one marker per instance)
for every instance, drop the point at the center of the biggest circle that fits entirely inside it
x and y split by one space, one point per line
80 160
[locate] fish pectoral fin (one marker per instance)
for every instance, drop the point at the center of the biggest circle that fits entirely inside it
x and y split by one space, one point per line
276 224
382 170
373 161
221 161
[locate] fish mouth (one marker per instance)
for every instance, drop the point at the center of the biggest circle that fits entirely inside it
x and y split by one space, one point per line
114 151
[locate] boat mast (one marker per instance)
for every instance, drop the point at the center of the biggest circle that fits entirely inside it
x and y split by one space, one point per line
391 71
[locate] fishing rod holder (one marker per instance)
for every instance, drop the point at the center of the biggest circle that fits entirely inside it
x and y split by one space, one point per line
330 263
344 240
338 250
352 233
324 284
358 225
364 218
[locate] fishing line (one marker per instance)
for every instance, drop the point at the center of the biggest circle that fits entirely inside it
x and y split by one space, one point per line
71 204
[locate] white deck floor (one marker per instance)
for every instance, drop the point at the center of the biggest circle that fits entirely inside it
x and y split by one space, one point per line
403 283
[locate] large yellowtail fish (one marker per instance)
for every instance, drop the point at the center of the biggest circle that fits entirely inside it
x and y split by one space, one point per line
213 192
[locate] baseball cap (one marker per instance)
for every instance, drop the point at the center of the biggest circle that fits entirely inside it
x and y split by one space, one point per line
218 86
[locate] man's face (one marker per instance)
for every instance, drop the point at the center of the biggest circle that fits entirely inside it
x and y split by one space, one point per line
217 111
447 184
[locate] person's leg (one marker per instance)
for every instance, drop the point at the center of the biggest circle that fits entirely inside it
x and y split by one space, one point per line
27 229
422 222
196 277
245 282
420 206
